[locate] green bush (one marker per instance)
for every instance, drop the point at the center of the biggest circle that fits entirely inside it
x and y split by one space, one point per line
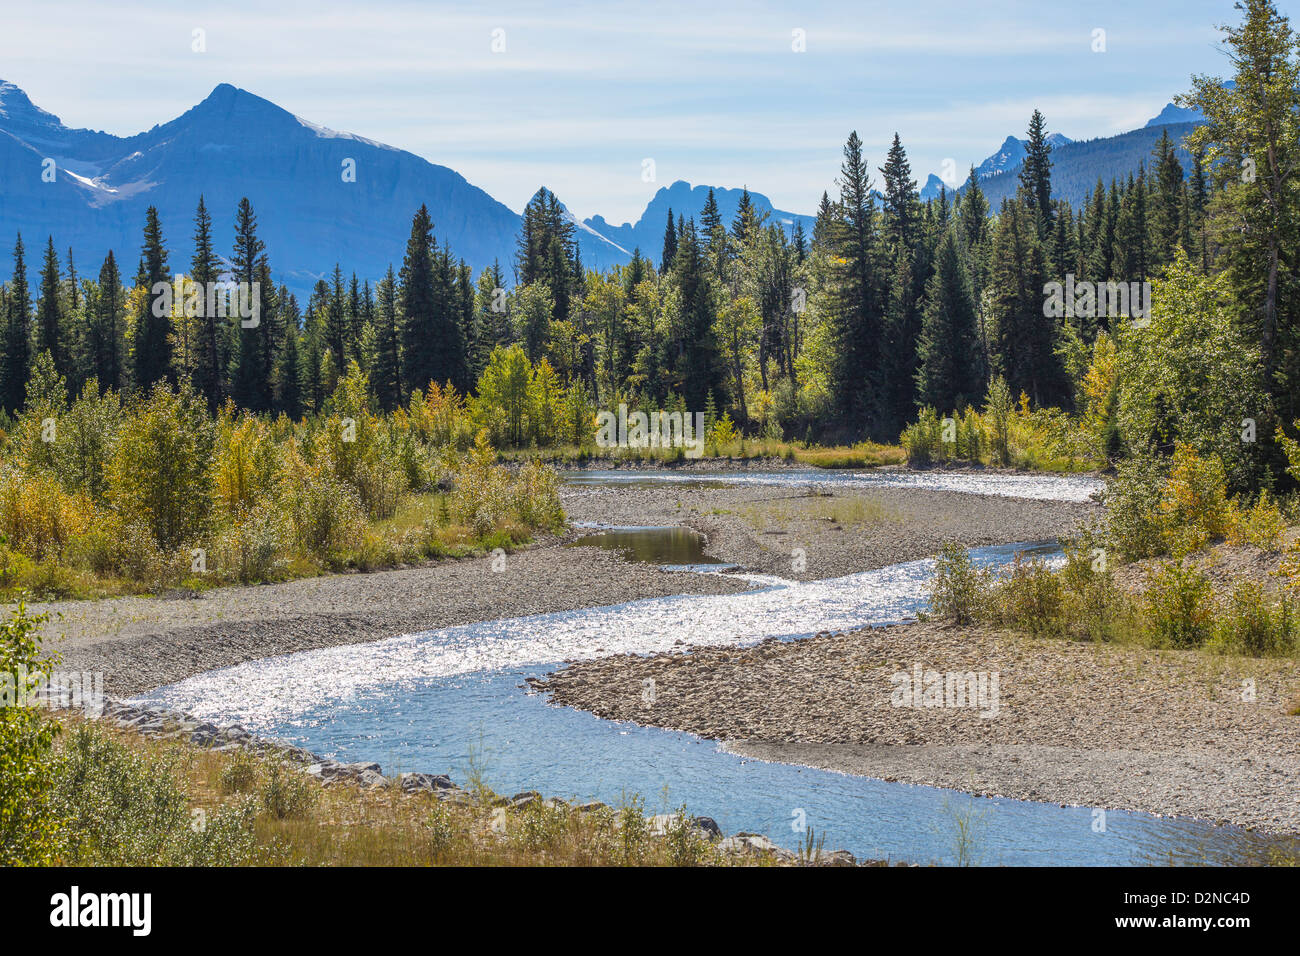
124 807
161 469
1132 498
286 793
1179 606
1250 622
957 588
30 823
1030 598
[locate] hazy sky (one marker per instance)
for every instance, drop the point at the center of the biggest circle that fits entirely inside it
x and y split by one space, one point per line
583 93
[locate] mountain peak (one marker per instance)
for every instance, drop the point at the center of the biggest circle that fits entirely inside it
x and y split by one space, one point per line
17 107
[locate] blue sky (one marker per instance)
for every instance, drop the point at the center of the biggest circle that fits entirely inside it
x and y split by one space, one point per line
583 93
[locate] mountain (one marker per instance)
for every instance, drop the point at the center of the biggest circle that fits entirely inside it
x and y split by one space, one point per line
1076 166
688 201
236 144
1012 153
1009 156
1173 114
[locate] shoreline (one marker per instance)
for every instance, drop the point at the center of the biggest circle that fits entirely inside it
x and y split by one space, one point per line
1108 727
141 643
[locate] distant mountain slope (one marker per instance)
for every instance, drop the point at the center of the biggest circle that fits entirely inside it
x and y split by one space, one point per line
1007 157
1076 166
236 144
687 200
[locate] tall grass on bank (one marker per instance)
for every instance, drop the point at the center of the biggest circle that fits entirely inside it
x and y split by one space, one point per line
107 495
1177 609
1003 434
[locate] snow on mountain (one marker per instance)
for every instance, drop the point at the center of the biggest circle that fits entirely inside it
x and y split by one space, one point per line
235 144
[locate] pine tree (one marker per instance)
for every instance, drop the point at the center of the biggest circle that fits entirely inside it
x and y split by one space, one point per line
16 359
288 375
205 272
152 344
901 203
250 379
746 222
49 314
949 375
107 336
857 311
1036 175
432 348
386 376
697 349
1167 203
1024 340
670 245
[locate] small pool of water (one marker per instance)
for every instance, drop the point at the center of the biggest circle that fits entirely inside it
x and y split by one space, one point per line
676 548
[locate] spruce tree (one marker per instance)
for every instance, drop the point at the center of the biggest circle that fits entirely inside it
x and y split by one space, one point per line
205 272
1036 175
152 345
49 313
949 373
15 362
857 308
670 245
432 348
250 379
386 376
107 337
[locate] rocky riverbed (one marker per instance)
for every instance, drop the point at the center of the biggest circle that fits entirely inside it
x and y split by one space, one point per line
144 642
821 532
1168 732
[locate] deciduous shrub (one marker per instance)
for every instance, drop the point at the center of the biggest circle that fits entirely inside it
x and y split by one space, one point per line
1179 606
957 588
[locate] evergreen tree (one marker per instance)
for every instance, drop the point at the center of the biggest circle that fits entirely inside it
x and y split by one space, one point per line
152 344
901 202
205 272
107 335
856 310
15 361
1024 340
250 378
1036 175
49 314
288 374
432 348
670 245
949 375
386 375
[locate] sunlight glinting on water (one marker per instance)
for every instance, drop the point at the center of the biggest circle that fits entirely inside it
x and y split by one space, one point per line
277 689
1075 488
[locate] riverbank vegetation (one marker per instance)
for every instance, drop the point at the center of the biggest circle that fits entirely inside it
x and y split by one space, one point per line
118 799
1177 562
78 792
146 491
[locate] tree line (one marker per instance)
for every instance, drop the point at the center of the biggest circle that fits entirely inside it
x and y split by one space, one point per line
891 305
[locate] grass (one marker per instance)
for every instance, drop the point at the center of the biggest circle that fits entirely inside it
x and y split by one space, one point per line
419 530
232 808
847 511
